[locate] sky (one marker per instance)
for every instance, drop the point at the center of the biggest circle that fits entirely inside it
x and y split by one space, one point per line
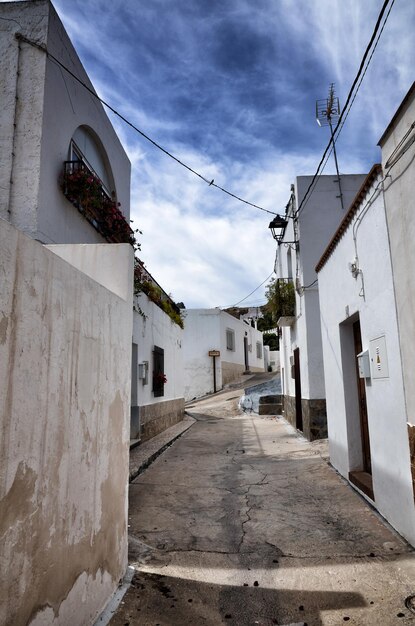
229 87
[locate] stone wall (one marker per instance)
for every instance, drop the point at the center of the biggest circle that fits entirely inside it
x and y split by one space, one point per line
158 416
314 416
314 419
289 409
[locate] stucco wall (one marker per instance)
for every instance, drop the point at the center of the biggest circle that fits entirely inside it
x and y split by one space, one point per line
341 300
65 357
205 329
399 201
317 222
51 105
155 328
201 334
236 356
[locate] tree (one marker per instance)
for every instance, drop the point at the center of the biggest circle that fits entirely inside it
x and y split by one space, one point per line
272 340
280 294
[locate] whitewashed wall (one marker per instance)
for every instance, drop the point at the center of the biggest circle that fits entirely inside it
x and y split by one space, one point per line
65 356
201 333
241 329
35 135
399 201
274 360
157 329
316 224
205 329
340 300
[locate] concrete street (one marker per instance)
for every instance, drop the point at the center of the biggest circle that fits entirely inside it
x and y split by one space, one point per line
243 522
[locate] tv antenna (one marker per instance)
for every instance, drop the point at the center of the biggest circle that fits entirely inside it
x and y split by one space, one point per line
327 113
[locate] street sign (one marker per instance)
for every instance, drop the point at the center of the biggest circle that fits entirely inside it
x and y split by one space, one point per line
214 352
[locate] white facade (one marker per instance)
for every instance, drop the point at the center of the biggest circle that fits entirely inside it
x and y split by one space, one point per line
43 109
240 347
154 328
308 233
356 287
398 150
65 354
65 337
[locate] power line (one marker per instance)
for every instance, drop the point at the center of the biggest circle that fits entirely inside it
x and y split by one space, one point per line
250 294
211 183
349 99
350 106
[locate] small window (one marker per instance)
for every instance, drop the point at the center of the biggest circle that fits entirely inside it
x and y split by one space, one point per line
230 339
159 377
258 350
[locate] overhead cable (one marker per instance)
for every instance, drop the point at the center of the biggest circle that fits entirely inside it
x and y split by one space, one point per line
211 183
250 294
350 98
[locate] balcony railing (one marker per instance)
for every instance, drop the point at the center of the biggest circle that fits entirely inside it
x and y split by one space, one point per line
83 188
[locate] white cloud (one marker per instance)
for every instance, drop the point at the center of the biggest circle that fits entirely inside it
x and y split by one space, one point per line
204 247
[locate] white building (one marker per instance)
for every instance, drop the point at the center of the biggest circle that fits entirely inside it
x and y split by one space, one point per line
50 124
366 406
398 150
238 346
301 243
65 330
157 388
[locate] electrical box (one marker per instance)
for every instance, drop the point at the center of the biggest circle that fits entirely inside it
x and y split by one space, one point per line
143 372
379 357
363 363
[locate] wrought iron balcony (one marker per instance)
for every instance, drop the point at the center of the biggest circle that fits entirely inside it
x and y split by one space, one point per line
83 188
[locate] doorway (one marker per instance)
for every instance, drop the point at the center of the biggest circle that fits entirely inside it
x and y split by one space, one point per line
361 476
297 382
246 354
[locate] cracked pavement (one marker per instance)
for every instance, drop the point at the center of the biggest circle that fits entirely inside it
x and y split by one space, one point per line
243 522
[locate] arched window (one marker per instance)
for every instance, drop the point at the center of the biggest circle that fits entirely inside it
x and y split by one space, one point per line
86 147
88 184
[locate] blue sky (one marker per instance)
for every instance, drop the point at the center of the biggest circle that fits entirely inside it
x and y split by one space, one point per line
230 87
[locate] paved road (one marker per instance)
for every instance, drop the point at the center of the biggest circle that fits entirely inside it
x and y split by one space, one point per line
243 522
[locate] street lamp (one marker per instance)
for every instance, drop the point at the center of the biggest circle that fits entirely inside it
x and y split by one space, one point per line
277 227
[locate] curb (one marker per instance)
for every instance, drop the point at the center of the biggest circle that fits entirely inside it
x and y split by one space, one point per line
145 464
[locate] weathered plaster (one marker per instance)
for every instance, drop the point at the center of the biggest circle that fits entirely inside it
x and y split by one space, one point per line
64 406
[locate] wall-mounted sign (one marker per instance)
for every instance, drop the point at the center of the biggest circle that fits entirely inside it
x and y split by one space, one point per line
214 352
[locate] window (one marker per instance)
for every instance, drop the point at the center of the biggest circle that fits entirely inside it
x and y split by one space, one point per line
230 339
159 378
86 146
258 350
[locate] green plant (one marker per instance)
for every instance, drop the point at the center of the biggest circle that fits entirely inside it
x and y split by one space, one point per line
280 294
85 191
144 284
271 340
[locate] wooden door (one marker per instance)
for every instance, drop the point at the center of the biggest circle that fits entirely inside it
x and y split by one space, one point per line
297 379
246 354
361 390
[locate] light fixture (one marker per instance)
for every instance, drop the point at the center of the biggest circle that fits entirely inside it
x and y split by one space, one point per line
279 224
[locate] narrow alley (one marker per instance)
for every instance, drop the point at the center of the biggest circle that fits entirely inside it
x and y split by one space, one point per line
241 521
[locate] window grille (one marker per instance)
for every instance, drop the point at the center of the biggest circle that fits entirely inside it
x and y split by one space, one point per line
258 350
230 339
